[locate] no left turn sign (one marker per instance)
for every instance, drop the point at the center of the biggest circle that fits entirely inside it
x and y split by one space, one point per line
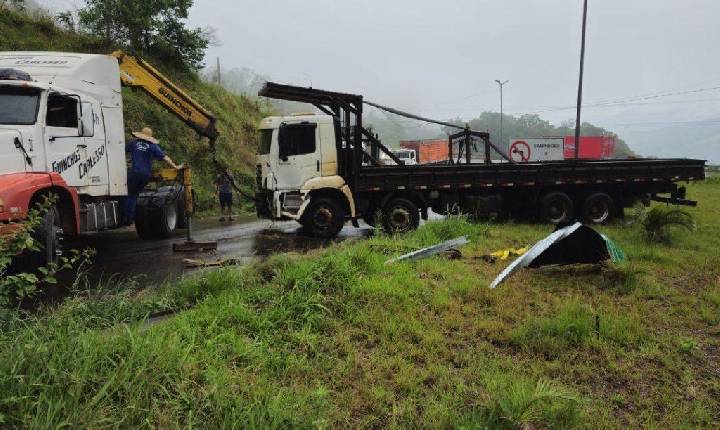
519 151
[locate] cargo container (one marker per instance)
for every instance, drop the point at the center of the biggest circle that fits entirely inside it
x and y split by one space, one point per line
428 150
591 147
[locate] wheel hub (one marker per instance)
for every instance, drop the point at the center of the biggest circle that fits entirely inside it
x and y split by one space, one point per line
598 212
556 210
323 217
399 218
171 219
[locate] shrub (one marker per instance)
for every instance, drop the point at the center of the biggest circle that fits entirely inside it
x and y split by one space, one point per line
19 283
523 403
657 221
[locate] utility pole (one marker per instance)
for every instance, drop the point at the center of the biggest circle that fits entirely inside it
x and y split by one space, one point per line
580 83
218 71
501 83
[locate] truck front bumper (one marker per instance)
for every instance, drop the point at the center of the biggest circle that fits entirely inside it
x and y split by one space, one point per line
281 205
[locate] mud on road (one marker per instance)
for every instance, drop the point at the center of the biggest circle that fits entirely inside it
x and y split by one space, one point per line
121 253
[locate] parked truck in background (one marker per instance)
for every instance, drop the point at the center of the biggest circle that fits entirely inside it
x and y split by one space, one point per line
428 150
62 133
408 157
311 169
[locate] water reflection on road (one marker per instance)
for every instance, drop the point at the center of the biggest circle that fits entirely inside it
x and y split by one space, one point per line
122 253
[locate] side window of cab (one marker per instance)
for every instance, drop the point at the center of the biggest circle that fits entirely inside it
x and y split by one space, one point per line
296 139
62 111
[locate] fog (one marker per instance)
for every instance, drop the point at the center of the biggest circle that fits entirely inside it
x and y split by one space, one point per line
652 67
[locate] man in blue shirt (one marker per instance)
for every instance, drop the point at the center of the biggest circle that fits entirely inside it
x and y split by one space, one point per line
143 150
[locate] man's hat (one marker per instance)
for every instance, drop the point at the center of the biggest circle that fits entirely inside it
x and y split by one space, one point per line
146 134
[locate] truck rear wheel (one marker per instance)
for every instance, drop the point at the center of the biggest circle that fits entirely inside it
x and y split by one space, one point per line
324 217
156 222
598 208
400 215
556 207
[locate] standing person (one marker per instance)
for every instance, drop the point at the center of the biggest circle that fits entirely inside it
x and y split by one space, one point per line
223 190
143 150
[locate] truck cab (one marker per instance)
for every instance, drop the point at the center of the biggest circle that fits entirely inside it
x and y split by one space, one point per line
61 122
408 157
298 159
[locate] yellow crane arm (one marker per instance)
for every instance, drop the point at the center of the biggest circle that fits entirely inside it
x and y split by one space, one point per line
137 73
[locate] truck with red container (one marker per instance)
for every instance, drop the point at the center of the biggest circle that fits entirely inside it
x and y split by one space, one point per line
428 150
591 147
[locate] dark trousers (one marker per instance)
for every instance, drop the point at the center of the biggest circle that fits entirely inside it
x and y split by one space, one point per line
225 200
135 182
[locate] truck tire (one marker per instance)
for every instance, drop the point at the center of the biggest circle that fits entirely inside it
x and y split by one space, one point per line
598 208
166 220
156 222
47 236
556 207
324 217
400 216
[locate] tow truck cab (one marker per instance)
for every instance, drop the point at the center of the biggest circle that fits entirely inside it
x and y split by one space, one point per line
298 159
61 121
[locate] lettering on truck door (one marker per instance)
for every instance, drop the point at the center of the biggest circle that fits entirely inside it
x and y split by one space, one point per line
65 148
93 169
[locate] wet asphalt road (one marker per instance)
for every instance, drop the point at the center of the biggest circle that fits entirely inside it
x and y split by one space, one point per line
121 253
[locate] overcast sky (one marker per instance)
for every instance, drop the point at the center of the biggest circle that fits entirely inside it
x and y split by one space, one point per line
441 58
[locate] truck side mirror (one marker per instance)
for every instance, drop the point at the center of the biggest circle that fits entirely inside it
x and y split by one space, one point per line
87 120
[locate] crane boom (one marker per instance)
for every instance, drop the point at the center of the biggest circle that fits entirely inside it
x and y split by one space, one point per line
137 73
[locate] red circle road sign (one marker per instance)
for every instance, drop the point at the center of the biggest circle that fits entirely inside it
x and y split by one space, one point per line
519 151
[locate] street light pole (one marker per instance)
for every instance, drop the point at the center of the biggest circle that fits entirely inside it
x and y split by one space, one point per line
580 83
501 83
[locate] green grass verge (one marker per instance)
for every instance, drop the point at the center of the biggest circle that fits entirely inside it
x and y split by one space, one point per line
336 338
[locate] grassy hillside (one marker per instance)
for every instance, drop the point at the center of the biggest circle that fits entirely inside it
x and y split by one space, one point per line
338 339
237 115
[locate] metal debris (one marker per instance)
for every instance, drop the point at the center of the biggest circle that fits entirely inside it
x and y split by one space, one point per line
192 263
574 244
431 250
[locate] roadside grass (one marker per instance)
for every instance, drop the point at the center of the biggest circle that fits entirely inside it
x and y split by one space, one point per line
337 338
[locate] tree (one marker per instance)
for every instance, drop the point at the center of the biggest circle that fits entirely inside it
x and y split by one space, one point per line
531 125
156 26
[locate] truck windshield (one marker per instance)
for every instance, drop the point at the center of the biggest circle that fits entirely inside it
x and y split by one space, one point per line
265 141
18 106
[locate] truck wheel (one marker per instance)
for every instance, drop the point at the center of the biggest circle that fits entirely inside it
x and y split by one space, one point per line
156 222
556 207
166 220
324 217
598 208
47 235
400 215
